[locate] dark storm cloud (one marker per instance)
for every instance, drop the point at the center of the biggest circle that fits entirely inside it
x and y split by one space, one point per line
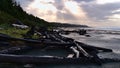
100 12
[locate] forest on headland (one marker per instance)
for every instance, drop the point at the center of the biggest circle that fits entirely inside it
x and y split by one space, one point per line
11 11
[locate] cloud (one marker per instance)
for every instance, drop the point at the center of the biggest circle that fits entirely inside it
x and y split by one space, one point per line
107 1
44 11
99 12
55 12
24 3
59 4
89 12
102 14
116 11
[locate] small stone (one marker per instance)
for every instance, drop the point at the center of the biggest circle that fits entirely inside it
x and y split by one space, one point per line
28 66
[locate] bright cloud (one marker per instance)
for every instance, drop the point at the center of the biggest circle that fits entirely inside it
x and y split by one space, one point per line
107 1
88 12
72 7
116 11
76 11
41 6
42 9
47 0
115 17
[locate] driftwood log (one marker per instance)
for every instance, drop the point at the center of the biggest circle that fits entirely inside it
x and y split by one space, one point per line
89 52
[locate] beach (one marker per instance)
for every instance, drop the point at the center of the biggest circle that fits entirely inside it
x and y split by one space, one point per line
96 38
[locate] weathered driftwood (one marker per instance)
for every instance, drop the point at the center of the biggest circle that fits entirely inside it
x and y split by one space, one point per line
65 39
2 43
23 59
69 42
15 50
94 47
32 41
82 50
89 52
80 31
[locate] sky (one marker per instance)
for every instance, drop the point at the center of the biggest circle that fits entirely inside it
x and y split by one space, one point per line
96 13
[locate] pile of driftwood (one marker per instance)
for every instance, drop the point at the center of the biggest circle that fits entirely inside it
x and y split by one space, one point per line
80 31
79 52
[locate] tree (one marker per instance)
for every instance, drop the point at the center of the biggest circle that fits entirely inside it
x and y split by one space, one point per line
14 9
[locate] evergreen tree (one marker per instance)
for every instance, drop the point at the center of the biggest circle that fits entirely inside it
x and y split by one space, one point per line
14 9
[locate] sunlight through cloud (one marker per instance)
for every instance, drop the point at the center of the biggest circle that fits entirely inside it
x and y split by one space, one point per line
88 12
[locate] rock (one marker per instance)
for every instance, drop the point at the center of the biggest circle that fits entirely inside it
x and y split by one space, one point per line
1 28
28 66
87 35
20 26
